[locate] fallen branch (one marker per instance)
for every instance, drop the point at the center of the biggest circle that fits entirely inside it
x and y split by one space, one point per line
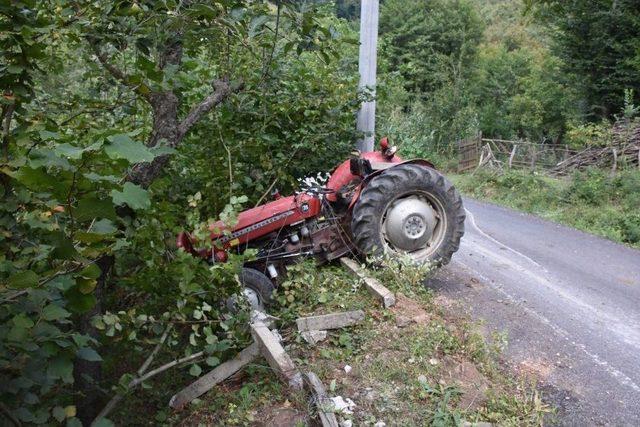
141 373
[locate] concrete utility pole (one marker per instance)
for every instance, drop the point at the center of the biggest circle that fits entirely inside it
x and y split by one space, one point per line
367 68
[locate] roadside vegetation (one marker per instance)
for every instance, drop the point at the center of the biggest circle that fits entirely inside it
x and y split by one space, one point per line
417 363
590 200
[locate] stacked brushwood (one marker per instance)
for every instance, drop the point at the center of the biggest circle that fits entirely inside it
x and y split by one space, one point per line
623 150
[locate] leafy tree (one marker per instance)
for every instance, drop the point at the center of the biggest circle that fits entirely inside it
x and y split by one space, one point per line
429 42
523 93
115 117
598 41
430 47
348 9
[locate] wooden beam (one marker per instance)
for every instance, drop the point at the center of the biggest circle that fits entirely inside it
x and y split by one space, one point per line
214 377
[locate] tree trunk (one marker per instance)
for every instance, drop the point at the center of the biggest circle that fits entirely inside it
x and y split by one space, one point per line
165 131
87 375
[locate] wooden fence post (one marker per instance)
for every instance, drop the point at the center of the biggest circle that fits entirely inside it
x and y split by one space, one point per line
532 151
513 154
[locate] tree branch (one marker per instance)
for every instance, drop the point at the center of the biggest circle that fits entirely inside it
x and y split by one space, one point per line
9 415
141 377
222 90
115 71
7 115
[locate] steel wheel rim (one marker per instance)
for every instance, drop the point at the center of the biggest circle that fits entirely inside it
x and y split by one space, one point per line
415 224
250 295
253 298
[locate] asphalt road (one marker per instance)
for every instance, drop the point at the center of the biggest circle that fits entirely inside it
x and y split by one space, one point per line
569 302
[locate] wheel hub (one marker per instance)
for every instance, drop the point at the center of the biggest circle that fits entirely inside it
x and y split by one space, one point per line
253 299
250 296
409 223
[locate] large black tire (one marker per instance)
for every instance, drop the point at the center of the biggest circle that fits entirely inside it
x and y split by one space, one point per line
368 227
260 284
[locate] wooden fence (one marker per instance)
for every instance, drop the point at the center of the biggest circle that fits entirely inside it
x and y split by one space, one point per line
468 153
477 152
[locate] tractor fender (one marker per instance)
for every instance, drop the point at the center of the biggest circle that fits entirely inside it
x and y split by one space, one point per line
342 175
383 167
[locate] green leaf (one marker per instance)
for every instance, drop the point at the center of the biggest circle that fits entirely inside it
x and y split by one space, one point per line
22 321
86 286
79 302
123 147
74 422
18 334
100 230
63 247
89 354
59 414
23 279
195 370
92 176
48 158
89 238
212 361
37 179
54 312
103 422
24 415
61 367
104 226
69 151
63 283
15 69
134 196
256 24
45 134
91 208
92 271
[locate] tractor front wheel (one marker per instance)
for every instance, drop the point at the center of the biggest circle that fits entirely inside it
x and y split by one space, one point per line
257 290
409 209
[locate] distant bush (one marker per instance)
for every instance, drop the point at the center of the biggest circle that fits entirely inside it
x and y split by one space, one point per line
592 187
415 135
581 135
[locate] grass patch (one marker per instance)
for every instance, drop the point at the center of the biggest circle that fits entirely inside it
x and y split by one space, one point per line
591 201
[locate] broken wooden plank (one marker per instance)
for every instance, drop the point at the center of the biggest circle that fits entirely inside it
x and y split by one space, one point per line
321 400
275 354
374 286
330 321
214 377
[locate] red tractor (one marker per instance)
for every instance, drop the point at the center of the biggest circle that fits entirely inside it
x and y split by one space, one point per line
372 204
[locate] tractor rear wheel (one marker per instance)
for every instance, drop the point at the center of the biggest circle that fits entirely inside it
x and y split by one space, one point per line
409 209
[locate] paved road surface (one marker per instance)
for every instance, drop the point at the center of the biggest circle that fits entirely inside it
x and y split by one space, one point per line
569 301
